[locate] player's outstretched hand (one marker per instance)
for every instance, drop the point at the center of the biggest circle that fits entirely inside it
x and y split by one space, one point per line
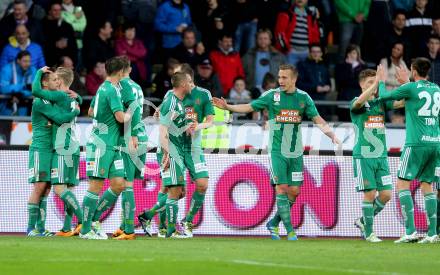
402 75
46 69
165 161
220 103
380 74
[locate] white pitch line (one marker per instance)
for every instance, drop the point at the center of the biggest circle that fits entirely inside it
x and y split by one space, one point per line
86 260
308 267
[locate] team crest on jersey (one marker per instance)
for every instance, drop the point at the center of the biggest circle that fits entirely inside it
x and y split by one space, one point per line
198 101
102 171
42 174
181 178
277 97
54 173
366 182
301 104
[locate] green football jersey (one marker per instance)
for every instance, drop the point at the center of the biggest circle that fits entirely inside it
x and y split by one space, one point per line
172 115
131 93
106 129
64 137
369 125
422 106
286 112
43 116
198 105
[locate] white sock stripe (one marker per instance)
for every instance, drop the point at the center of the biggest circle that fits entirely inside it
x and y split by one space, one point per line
37 168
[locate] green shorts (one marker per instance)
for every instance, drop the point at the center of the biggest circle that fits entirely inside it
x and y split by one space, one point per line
39 166
286 170
195 163
104 165
65 170
420 163
372 174
175 174
134 166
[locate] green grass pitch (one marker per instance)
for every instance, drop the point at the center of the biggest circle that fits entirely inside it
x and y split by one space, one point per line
203 255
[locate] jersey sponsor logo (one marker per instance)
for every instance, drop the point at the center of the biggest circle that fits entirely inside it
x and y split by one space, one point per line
374 122
54 173
119 164
288 116
430 139
190 113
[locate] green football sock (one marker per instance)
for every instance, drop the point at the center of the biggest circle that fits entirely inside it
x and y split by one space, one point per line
68 215
275 221
41 222
33 210
438 216
162 219
129 209
368 214
158 207
284 211
378 206
407 208
431 213
196 203
89 206
172 209
70 200
123 201
107 200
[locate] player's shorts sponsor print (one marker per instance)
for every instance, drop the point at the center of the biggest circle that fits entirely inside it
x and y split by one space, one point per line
372 174
107 164
65 170
39 166
174 175
417 162
286 170
196 165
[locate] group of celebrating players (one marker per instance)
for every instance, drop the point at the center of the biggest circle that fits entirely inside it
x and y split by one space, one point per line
117 147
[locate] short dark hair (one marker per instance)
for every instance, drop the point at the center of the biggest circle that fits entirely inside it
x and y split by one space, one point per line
398 12
177 79
422 66
115 65
366 74
22 54
238 78
313 45
268 78
127 25
19 2
186 68
188 30
289 67
434 36
224 35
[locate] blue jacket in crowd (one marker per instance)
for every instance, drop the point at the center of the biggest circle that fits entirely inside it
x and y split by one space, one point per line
10 52
169 16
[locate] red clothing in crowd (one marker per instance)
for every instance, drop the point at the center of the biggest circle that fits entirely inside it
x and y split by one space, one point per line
286 24
135 52
228 67
93 81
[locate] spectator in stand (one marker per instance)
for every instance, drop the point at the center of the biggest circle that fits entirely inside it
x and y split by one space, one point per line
19 16
77 19
398 33
162 81
21 42
314 75
436 26
419 25
135 50
59 37
16 80
352 14
95 78
226 62
76 85
347 79
244 18
295 30
262 59
99 48
206 78
213 22
434 55
172 18
392 63
238 91
189 51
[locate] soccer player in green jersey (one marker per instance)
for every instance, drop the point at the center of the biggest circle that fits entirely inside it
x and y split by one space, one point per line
199 110
43 116
173 129
134 150
104 158
420 156
370 164
65 159
286 106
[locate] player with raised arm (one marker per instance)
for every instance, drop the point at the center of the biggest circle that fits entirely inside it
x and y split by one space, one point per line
104 158
370 163
420 155
199 110
65 159
43 116
286 105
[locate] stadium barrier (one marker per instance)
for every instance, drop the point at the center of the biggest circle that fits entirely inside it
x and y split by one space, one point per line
239 201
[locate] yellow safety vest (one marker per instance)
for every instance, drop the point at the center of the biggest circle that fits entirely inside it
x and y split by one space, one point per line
217 136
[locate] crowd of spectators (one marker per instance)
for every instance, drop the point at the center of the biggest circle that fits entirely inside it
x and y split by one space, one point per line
234 46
